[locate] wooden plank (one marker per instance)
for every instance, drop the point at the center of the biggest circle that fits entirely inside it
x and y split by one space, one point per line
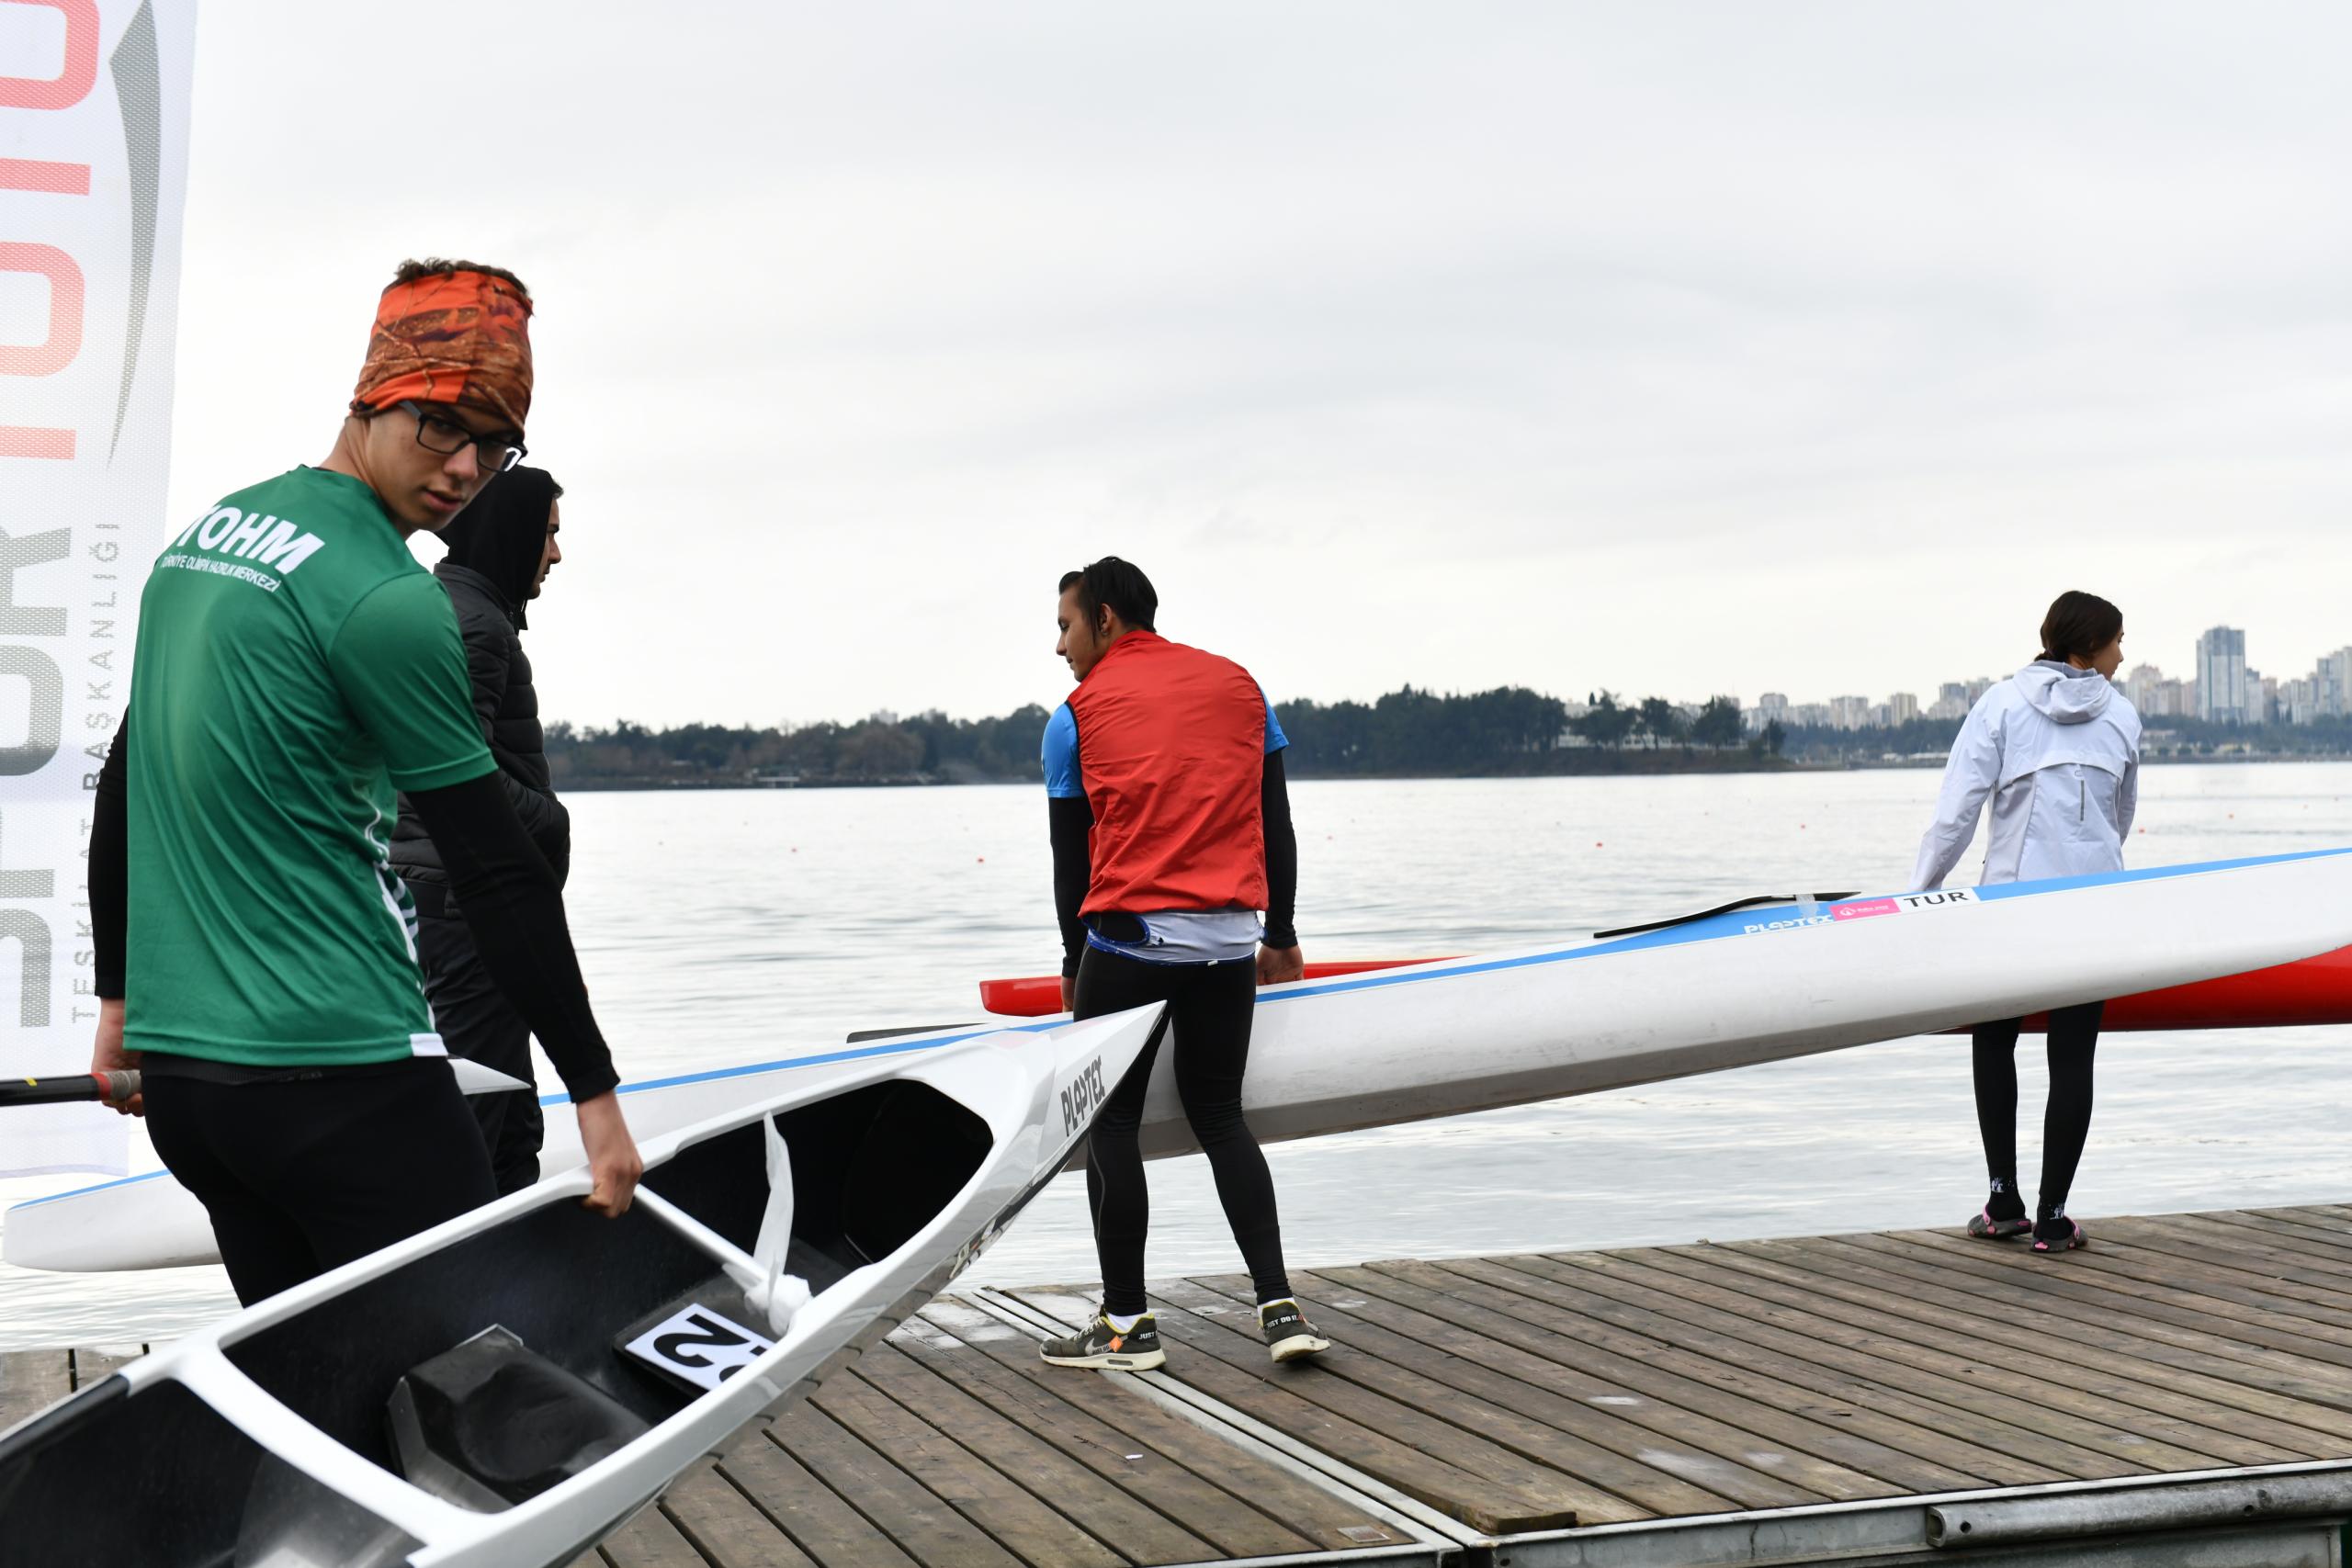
725 1527
1666 1481
2182 1301
2220 1248
1707 1453
2304 1224
2328 1221
1829 1364
1981 1415
2286 1396
31 1382
1190 1474
650 1540
2266 1239
2231 1275
1107 1509
816 1518
925 1528
2172 1316
2095 1384
993 1501
2114 1255
95 1363
1917 1458
2151 1419
2318 1239
1499 1493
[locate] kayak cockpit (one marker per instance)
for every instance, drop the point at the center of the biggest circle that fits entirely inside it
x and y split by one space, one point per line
870 1169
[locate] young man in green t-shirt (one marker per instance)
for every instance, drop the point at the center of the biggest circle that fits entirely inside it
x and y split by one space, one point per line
256 953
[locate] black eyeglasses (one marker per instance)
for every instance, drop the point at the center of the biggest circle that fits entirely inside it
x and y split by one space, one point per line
496 453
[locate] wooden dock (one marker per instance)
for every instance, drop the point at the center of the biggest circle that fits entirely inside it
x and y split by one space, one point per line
2181 1392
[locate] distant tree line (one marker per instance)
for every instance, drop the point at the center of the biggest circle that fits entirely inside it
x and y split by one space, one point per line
1408 733
1512 730
930 748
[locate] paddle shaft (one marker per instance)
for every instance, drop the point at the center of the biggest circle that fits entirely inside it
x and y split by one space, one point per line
1037 995
112 1087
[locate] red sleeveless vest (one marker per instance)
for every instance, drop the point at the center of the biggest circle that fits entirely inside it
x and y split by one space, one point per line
1171 745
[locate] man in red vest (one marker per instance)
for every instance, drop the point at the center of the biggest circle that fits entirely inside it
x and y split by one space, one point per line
1171 831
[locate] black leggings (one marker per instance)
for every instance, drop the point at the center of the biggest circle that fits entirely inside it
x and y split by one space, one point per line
2065 1123
1212 1004
300 1175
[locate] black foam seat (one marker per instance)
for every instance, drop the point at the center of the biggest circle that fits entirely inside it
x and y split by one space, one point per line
493 1423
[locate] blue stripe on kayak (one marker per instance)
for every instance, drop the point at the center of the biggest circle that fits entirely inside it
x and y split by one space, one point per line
888 1048
1716 926
1713 928
2152 874
78 1191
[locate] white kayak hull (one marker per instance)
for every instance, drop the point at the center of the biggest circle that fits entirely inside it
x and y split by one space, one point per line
1442 1039
263 1439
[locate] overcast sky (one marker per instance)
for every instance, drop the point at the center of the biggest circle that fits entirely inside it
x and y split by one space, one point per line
1674 349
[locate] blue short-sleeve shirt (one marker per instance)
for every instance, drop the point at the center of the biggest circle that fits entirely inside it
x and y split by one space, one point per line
1064 778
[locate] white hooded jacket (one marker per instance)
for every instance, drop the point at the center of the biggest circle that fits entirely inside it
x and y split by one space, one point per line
2058 750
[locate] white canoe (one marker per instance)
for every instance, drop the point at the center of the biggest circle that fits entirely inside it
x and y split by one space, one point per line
1726 991
373 1415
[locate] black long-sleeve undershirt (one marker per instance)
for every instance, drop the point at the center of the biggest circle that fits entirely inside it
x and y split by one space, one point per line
1070 822
505 889
508 895
1281 855
110 868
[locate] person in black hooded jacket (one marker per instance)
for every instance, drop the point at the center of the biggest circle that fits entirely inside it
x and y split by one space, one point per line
500 549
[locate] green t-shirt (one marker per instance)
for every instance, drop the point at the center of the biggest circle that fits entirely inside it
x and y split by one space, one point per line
295 667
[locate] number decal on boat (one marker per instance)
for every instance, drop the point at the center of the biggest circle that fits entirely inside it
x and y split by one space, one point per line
699 1345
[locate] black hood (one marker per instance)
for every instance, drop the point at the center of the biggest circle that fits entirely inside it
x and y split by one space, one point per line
504 534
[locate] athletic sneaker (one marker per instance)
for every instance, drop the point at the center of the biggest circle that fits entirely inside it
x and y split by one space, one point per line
1990 1229
1101 1345
2058 1233
1288 1333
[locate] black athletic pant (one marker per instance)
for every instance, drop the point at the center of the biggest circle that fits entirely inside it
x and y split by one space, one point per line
1212 1008
477 1022
301 1174
2066 1122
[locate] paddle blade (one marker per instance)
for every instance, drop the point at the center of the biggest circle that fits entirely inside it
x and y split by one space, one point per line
475 1078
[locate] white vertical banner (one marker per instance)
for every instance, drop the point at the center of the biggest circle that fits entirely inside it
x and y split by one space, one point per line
93 115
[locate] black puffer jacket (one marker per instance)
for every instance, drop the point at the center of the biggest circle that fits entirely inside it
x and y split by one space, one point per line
495 545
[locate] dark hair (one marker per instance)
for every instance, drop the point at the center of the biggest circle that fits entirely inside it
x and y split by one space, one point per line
1120 584
438 267
2078 626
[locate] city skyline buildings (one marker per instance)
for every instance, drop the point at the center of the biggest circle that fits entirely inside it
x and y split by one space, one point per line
2222 688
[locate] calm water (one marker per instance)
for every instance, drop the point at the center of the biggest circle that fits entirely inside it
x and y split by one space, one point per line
733 927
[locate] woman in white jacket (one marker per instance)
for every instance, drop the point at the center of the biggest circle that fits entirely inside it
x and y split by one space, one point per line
2057 748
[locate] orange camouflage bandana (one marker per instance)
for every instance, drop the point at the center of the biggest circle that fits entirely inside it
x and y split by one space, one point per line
460 337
